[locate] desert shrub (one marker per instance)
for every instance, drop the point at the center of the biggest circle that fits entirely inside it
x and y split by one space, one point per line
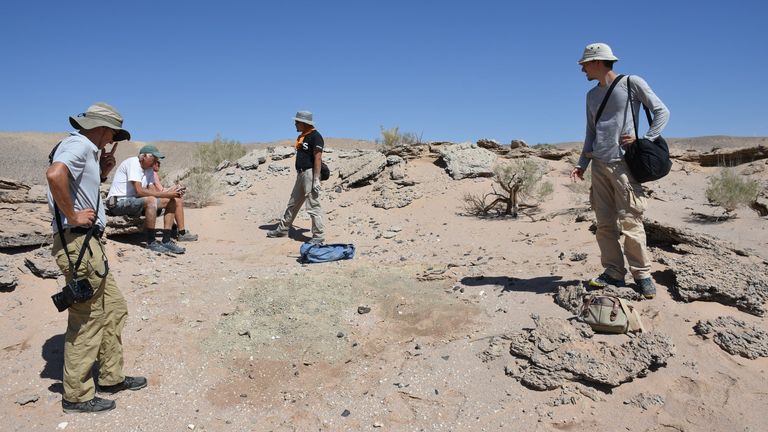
210 155
202 188
518 180
393 138
578 187
731 191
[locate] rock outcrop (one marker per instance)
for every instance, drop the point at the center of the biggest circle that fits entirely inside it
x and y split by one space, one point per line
280 153
557 351
467 160
735 336
8 278
361 168
726 157
253 159
571 297
42 264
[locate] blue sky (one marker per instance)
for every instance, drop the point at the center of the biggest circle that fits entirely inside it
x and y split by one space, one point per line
450 70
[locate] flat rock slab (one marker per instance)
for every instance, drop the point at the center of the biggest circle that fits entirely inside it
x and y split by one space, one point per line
280 153
467 160
42 265
362 169
735 336
393 196
699 276
253 159
558 351
24 224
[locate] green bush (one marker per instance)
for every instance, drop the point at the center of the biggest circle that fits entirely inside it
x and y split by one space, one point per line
521 179
393 138
731 191
209 156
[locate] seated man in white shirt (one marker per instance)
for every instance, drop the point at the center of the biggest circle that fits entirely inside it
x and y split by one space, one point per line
151 179
132 197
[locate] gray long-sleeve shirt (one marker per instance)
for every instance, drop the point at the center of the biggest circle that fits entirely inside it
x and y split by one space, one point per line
602 139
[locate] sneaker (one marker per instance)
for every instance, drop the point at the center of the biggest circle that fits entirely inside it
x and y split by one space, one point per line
95 405
187 236
604 280
173 247
158 247
129 383
647 287
277 233
316 241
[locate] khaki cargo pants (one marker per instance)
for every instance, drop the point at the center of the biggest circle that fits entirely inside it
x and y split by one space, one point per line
619 203
302 191
94 328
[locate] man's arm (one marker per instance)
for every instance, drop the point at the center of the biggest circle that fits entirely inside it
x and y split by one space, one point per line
171 192
317 163
58 182
660 112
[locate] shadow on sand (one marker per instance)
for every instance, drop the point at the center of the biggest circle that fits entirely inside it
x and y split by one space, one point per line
538 285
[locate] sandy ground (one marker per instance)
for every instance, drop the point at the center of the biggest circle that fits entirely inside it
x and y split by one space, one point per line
236 335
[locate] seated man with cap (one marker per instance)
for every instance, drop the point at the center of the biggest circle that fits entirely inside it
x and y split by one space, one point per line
132 197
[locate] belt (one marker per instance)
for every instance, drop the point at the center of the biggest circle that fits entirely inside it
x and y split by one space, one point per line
83 230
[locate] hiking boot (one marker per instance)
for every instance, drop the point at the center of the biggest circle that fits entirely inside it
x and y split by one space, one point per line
173 247
276 233
647 287
158 247
604 280
95 405
129 383
187 236
316 241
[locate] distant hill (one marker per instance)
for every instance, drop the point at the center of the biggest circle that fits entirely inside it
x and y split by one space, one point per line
24 155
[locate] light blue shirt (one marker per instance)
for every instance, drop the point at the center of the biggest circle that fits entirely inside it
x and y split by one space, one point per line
81 157
602 139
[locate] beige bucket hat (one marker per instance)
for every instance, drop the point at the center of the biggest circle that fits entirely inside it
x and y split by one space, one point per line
597 51
304 117
101 114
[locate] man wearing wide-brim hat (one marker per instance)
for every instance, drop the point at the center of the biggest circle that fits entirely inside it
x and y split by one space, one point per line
309 158
78 165
617 198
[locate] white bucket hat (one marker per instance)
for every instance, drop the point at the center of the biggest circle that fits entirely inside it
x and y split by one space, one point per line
304 117
101 114
597 51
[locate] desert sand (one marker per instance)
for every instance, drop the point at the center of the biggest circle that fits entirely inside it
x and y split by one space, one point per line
237 335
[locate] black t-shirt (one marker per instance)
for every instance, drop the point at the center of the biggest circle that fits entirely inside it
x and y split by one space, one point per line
305 153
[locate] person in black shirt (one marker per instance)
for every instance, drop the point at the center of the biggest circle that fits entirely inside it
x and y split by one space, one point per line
309 153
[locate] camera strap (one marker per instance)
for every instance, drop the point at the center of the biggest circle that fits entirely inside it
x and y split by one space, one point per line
73 267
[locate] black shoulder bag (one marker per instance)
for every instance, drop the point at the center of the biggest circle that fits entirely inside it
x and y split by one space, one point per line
648 160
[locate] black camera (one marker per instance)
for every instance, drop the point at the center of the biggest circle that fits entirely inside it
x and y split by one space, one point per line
76 291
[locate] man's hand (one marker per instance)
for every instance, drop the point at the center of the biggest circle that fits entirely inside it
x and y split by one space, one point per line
107 160
175 192
626 140
577 173
316 185
85 217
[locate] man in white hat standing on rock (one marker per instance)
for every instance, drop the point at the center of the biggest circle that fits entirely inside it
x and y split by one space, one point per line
309 154
617 198
98 311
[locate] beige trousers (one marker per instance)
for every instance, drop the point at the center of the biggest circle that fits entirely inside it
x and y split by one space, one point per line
302 192
619 202
95 327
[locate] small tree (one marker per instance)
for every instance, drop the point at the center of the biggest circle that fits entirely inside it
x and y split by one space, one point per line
731 191
521 179
202 188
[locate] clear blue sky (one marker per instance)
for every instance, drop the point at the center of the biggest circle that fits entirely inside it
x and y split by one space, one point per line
451 70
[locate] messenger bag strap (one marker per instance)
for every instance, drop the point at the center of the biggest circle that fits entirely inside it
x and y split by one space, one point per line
636 123
73 267
605 98
632 316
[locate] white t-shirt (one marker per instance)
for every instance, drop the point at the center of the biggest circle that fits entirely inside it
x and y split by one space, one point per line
129 171
148 177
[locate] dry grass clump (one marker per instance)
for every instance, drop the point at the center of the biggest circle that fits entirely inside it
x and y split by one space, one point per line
393 138
202 188
731 191
521 179
209 156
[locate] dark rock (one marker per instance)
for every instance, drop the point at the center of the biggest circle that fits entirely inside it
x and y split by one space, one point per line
735 336
345 413
578 256
363 310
